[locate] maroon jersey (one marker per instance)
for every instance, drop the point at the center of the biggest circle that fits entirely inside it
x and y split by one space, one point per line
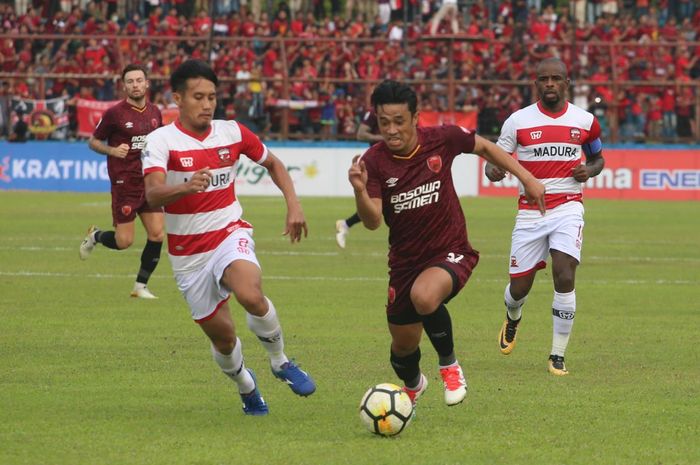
419 202
125 124
370 119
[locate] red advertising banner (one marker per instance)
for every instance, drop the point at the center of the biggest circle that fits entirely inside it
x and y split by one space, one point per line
662 174
466 119
89 113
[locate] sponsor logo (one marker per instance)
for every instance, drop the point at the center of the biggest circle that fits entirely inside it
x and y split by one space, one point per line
128 125
669 179
187 162
243 246
33 168
534 135
575 134
563 314
425 194
391 182
435 163
454 258
556 151
138 142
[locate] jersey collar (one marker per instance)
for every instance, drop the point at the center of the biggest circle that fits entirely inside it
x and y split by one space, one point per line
549 113
199 137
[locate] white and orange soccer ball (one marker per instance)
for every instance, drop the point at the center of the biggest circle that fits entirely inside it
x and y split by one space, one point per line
386 409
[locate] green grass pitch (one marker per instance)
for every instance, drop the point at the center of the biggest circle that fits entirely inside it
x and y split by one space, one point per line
91 376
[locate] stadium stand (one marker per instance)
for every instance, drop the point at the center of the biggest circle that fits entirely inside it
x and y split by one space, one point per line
304 69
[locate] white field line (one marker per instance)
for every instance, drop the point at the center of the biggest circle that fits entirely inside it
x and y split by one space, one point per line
46 274
291 253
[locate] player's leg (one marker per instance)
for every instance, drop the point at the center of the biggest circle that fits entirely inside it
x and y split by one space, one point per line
154 223
244 279
563 308
432 287
342 228
124 206
528 252
227 351
566 241
405 353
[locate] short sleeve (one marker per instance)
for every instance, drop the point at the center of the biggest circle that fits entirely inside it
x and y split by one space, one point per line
103 129
459 140
508 140
594 132
252 147
155 153
374 185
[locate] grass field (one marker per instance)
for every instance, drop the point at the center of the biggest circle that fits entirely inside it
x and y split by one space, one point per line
90 376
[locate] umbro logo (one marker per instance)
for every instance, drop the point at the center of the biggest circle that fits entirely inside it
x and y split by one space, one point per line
534 135
391 182
128 125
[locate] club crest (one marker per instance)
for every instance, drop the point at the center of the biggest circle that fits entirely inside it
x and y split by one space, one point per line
435 163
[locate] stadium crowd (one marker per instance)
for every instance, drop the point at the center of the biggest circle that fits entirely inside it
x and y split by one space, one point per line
332 51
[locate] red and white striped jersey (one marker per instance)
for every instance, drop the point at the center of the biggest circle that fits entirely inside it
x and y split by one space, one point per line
197 223
549 146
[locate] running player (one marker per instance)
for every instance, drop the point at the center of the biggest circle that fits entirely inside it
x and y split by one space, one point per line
190 168
548 138
124 128
407 179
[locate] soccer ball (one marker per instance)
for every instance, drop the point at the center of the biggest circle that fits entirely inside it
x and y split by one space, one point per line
386 409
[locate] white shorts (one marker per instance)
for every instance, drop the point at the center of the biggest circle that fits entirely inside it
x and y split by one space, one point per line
202 289
560 229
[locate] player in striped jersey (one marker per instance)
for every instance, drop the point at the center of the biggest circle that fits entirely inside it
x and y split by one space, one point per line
190 168
548 138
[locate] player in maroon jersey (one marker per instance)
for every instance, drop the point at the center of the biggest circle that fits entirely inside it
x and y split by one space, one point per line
407 179
368 131
124 128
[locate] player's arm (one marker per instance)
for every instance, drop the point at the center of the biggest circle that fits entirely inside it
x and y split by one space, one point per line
594 161
296 223
364 134
368 208
100 147
492 153
159 194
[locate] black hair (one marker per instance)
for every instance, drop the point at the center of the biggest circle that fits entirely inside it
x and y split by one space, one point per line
191 69
388 92
134 67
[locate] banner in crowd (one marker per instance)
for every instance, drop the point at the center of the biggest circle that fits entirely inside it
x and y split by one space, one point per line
664 174
466 119
46 118
89 113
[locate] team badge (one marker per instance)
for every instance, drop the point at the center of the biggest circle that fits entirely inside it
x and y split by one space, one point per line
126 210
224 154
435 163
513 262
575 134
392 295
154 123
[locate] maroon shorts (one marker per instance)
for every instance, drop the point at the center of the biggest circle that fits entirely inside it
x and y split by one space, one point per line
128 200
399 307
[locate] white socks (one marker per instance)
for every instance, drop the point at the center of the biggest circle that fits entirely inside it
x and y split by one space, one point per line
563 312
269 332
514 307
232 365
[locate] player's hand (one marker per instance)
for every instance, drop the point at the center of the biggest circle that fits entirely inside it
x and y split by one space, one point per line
357 174
296 223
494 173
121 151
200 180
580 173
534 193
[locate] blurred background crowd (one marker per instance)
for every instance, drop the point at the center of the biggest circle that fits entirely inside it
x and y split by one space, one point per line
304 68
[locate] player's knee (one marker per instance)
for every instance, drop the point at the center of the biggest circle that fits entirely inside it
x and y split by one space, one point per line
224 344
564 281
424 302
124 242
253 301
157 236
